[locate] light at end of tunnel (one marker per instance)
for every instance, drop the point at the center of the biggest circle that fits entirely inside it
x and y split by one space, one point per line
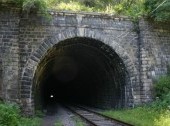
51 96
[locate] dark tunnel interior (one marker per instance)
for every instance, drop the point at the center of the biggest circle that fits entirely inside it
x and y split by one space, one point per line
80 71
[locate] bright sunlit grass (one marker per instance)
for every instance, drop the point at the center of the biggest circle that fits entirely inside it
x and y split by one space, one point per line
163 120
106 7
142 116
71 5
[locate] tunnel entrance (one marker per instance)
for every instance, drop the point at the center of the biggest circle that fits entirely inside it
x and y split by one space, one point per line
81 71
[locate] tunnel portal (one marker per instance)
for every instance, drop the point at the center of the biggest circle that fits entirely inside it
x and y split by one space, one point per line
80 71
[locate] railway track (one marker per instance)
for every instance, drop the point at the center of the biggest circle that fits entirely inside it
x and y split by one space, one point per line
94 118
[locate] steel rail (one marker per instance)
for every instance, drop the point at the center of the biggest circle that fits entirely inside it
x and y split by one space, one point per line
116 121
105 116
81 116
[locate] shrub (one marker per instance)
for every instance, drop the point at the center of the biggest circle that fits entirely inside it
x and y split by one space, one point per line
162 93
28 5
162 86
158 9
10 116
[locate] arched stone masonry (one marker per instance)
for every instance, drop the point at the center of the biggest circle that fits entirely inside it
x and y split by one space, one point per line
27 98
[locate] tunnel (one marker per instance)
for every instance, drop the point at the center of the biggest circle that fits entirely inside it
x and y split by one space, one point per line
80 71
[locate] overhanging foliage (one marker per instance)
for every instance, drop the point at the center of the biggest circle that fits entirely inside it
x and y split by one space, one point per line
156 9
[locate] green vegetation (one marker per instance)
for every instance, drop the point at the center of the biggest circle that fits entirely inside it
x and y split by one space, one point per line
107 6
142 116
156 9
162 87
58 123
39 114
28 5
10 116
154 114
78 121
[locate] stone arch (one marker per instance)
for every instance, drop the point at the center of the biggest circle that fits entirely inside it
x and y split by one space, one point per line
27 101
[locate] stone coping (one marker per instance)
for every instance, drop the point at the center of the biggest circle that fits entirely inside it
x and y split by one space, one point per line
11 6
89 14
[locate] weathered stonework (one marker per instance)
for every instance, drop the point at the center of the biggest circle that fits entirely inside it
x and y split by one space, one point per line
25 41
9 32
155 54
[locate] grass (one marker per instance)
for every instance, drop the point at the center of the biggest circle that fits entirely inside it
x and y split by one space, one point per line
122 7
30 121
131 8
58 123
142 116
111 7
78 121
71 5
156 113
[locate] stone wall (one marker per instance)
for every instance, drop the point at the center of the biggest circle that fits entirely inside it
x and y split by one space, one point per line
145 54
37 35
9 57
155 53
